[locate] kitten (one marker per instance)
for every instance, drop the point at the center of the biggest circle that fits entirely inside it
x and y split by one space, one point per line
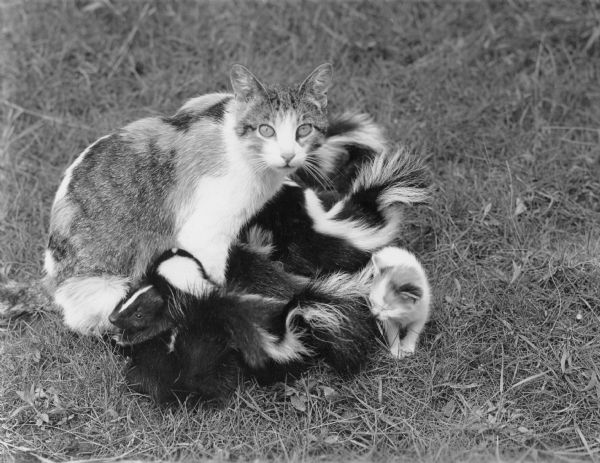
400 298
190 181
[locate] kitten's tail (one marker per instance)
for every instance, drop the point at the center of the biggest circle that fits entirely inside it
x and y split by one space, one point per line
333 310
369 216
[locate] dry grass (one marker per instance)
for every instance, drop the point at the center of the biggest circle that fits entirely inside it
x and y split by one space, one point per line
503 98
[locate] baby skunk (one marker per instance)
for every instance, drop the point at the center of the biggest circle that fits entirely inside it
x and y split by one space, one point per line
310 239
211 340
400 298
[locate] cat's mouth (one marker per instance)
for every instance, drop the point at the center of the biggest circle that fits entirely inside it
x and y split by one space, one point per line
287 166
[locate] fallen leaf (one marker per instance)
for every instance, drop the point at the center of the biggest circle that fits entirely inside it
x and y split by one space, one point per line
331 439
298 403
520 207
329 392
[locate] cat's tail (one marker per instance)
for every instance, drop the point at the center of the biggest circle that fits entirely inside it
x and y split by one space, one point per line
369 216
333 310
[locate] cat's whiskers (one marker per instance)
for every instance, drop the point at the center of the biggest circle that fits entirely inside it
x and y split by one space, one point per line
315 173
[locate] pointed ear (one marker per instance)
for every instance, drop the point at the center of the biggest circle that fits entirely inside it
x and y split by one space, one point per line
379 264
317 84
244 84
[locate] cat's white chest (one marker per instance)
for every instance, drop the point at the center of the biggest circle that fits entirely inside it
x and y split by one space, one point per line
220 206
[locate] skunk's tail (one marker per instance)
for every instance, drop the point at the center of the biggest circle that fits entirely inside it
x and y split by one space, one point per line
369 215
334 312
352 139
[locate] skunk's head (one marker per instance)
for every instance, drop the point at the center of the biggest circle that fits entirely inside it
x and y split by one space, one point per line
141 316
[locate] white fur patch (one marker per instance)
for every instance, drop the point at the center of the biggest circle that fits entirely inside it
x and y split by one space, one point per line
135 295
367 134
401 266
392 168
172 339
260 240
361 235
285 350
184 274
49 263
221 205
87 302
203 102
393 256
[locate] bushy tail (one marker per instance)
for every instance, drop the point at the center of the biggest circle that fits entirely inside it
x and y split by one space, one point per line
334 311
369 216
352 139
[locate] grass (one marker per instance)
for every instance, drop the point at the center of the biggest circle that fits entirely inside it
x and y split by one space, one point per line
502 98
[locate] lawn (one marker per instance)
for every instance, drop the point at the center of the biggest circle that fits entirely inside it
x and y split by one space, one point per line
503 101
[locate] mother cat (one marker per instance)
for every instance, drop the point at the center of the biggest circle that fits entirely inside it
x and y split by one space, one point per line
189 181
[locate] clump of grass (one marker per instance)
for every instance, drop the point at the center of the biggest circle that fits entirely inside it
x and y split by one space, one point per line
501 97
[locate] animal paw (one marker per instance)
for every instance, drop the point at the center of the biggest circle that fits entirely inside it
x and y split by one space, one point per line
400 350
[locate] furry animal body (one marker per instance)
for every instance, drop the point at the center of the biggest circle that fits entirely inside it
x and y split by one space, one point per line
400 298
310 235
190 181
267 322
209 341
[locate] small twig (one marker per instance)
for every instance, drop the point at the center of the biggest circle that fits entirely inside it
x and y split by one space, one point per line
43 116
123 50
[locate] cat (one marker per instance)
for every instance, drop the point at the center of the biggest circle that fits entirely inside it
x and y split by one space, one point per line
400 298
189 181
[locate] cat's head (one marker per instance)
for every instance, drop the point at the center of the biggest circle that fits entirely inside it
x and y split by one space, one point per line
280 127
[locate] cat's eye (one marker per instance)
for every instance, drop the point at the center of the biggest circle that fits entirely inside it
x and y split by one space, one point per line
266 130
138 315
303 130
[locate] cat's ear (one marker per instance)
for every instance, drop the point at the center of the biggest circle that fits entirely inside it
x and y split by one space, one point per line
379 263
317 84
245 85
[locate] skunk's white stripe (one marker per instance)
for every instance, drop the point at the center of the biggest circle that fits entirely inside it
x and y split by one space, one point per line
362 236
184 274
131 300
285 350
260 240
391 168
366 133
171 345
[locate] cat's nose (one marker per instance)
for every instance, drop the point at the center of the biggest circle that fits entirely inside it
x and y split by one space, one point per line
287 157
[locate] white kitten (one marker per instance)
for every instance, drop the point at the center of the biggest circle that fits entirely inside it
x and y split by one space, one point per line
400 297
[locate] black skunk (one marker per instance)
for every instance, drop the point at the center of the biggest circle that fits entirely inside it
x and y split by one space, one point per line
310 239
211 340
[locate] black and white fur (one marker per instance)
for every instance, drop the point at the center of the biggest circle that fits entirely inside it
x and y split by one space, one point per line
214 338
189 181
310 238
400 298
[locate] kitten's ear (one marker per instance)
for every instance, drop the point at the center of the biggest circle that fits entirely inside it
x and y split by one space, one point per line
245 85
317 84
379 264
